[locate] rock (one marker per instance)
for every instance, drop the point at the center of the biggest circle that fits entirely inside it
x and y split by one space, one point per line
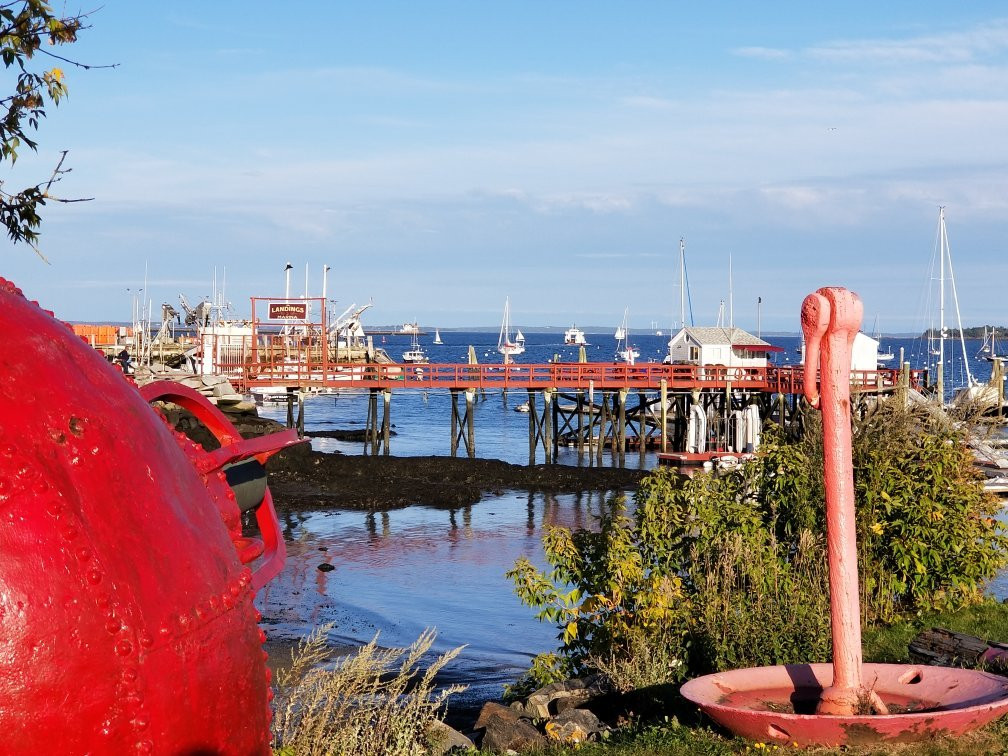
574 726
224 388
545 702
443 739
493 710
502 736
504 730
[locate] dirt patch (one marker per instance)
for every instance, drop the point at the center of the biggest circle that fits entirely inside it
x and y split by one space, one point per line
302 479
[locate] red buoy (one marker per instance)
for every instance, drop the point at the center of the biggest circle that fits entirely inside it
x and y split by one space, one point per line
126 585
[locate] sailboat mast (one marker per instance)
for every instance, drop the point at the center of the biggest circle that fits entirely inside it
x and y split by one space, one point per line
941 304
682 282
955 301
731 295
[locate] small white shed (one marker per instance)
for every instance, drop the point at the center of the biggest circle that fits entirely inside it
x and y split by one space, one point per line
731 347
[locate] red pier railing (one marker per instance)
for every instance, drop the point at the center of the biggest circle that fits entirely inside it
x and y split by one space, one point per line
563 375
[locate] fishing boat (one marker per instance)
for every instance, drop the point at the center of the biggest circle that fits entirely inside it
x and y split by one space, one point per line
625 352
415 355
506 345
437 337
574 336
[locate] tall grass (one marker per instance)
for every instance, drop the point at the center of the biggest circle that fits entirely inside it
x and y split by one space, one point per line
759 602
376 701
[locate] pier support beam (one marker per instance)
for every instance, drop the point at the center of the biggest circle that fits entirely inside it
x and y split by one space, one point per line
386 422
371 428
663 399
541 426
533 426
580 424
549 415
470 395
603 421
454 423
462 425
641 426
621 397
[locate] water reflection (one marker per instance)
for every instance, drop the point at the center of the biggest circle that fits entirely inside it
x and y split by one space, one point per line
401 571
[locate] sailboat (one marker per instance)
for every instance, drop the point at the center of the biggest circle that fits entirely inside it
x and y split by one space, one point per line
625 352
505 344
971 390
885 356
989 348
437 337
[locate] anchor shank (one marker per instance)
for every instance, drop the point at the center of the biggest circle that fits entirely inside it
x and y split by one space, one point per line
830 319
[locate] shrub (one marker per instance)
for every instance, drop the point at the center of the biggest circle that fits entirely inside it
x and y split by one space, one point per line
729 570
374 701
927 530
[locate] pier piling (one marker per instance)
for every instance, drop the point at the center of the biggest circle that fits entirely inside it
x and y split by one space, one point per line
386 420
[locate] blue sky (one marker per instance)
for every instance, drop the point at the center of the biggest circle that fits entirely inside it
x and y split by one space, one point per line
441 156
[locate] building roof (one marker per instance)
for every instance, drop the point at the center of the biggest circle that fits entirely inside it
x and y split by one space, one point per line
724 336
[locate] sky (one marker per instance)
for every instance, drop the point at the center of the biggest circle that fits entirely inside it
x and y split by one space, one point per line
442 156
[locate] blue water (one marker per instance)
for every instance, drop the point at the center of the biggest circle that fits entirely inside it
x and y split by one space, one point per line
422 419
401 571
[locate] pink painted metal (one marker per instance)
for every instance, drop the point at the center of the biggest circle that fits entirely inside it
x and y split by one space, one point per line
776 704
820 704
126 584
830 320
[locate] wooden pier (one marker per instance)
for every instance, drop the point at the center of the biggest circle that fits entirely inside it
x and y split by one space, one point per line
589 406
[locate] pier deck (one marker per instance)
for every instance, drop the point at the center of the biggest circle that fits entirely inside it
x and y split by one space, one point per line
583 376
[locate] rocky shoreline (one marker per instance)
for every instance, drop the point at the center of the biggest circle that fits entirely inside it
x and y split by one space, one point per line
303 479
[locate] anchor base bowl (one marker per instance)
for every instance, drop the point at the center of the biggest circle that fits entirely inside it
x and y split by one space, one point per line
777 704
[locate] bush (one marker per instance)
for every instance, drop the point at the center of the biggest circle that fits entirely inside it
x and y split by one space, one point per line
374 701
927 530
729 570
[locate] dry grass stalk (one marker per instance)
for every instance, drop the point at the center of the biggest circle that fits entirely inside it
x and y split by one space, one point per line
375 701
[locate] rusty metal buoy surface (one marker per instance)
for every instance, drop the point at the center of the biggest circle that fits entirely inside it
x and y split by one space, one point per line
126 586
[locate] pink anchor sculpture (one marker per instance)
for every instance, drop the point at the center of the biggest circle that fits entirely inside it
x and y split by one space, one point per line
830 320
765 703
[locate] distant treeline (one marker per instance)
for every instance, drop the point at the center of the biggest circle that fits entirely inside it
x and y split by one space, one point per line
976 332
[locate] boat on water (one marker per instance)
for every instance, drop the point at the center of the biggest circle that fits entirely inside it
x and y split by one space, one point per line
407 329
969 390
988 350
625 352
415 355
437 337
883 355
574 336
506 345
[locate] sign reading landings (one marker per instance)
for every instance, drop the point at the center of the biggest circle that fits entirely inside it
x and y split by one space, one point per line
284 310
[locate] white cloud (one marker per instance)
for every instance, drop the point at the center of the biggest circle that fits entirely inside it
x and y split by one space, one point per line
952 47
762 53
